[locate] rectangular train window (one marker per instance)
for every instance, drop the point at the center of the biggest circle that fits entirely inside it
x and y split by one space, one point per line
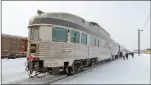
59 34
34 33
98 42
83 38
93 41
32 48
113 46
74 36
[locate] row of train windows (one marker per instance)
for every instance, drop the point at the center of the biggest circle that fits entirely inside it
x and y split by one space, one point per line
61 35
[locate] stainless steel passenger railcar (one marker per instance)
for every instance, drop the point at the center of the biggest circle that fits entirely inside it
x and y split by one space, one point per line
65 42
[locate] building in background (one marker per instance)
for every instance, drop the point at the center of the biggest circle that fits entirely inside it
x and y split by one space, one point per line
12 44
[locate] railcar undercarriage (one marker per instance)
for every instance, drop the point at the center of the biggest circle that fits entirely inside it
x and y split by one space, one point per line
36 67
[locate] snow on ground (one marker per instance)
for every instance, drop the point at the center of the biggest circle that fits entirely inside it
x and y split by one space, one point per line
13 69
133 71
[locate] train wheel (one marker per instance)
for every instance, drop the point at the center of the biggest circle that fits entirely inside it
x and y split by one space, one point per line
56 71
81 68
90 63
69 71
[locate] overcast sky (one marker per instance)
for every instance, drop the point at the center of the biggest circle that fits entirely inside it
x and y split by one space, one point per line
120 18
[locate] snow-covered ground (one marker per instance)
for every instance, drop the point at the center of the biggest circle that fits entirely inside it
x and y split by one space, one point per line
133 71
13 70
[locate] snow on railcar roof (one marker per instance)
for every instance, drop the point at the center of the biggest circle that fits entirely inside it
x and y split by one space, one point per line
71 18
13 36
56 15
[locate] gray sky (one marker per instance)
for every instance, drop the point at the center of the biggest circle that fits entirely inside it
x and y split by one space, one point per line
120 18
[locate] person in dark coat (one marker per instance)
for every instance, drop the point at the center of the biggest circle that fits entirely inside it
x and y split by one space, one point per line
132 54
121 54
126 56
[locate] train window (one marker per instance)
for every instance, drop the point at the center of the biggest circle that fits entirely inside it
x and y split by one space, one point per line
74 36
93 41
100 43
83 38
97 42
34 33
33 48
59 34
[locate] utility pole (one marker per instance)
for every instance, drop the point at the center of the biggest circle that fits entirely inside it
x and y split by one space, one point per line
139 41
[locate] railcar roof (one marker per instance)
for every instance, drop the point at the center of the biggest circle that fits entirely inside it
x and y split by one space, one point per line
50 14
13 36
63 15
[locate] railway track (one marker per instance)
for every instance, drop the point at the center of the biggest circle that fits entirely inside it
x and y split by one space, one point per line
85 70
47 79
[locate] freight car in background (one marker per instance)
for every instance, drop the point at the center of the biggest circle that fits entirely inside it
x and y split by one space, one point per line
13 46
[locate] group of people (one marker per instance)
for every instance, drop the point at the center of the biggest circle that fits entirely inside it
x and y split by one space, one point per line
126 55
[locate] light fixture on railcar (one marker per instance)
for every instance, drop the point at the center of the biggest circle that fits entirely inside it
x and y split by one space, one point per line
40 12
30 58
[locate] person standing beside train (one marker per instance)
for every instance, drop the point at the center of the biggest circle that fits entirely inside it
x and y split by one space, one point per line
132 54
126 55
123 55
